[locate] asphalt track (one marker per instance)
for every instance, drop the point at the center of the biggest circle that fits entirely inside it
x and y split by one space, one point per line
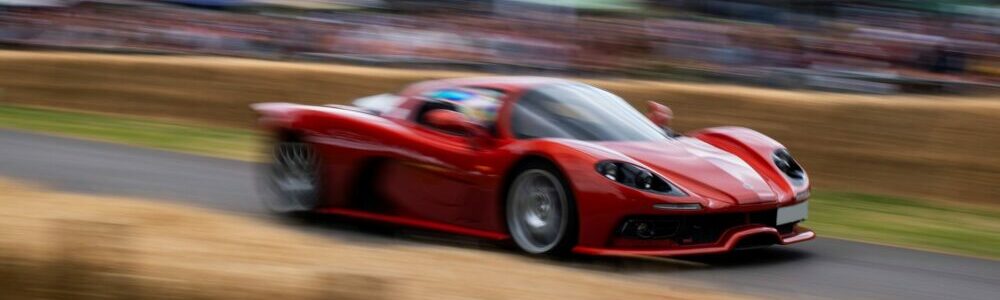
820 269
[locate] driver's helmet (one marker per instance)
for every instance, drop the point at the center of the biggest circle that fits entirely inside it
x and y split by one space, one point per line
479 105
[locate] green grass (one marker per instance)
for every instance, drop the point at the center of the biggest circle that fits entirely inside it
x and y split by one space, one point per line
944 227
937 226
204 140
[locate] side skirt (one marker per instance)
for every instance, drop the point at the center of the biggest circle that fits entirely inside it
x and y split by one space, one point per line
416 223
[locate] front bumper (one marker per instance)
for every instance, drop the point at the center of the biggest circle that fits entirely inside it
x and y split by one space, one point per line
730 240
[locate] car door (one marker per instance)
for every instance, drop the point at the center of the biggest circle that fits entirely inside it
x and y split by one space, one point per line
438 177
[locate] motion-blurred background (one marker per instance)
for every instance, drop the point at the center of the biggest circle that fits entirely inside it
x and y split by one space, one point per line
861 46
893 106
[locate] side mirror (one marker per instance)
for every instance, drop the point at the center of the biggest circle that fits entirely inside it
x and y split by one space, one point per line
660 114
455 122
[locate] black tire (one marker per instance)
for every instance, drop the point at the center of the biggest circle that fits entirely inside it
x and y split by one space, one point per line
536 194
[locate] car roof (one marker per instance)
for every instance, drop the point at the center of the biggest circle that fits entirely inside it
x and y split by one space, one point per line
505 83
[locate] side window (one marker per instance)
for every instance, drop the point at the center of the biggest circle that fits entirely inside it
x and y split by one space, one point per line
478 104
533 118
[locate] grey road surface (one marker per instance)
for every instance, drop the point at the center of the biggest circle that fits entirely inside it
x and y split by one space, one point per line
820 269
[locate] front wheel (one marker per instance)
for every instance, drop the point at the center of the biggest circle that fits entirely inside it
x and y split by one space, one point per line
540 211
292 178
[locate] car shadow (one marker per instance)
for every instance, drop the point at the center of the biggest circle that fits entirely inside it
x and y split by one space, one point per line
373 233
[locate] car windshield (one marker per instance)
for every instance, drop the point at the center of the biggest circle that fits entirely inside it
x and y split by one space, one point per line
579 111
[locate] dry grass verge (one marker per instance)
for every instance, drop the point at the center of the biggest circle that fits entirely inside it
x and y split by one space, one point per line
65 246
925 147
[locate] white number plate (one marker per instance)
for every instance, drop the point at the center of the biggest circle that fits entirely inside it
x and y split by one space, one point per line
789 214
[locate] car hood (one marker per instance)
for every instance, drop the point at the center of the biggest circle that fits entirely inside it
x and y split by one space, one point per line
700 168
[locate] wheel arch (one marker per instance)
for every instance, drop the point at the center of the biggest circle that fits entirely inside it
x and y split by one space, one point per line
515 169
288 134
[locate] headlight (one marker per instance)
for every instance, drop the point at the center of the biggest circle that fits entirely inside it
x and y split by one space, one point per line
637 177
788 166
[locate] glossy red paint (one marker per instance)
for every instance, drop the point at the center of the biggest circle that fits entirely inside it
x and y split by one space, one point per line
491 235
391 168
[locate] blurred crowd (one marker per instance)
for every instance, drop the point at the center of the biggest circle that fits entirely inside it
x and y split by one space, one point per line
867 46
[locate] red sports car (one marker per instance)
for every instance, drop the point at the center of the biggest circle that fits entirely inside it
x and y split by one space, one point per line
554 165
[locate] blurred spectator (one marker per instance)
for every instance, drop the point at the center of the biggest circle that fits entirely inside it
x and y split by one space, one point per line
788 45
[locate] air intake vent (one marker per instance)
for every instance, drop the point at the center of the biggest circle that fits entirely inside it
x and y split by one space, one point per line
788 165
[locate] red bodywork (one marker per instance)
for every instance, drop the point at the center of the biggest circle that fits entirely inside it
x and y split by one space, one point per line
432 179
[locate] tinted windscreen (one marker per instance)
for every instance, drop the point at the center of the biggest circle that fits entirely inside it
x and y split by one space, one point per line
579 111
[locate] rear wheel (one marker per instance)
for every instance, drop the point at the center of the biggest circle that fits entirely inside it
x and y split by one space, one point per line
540 211
293 177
